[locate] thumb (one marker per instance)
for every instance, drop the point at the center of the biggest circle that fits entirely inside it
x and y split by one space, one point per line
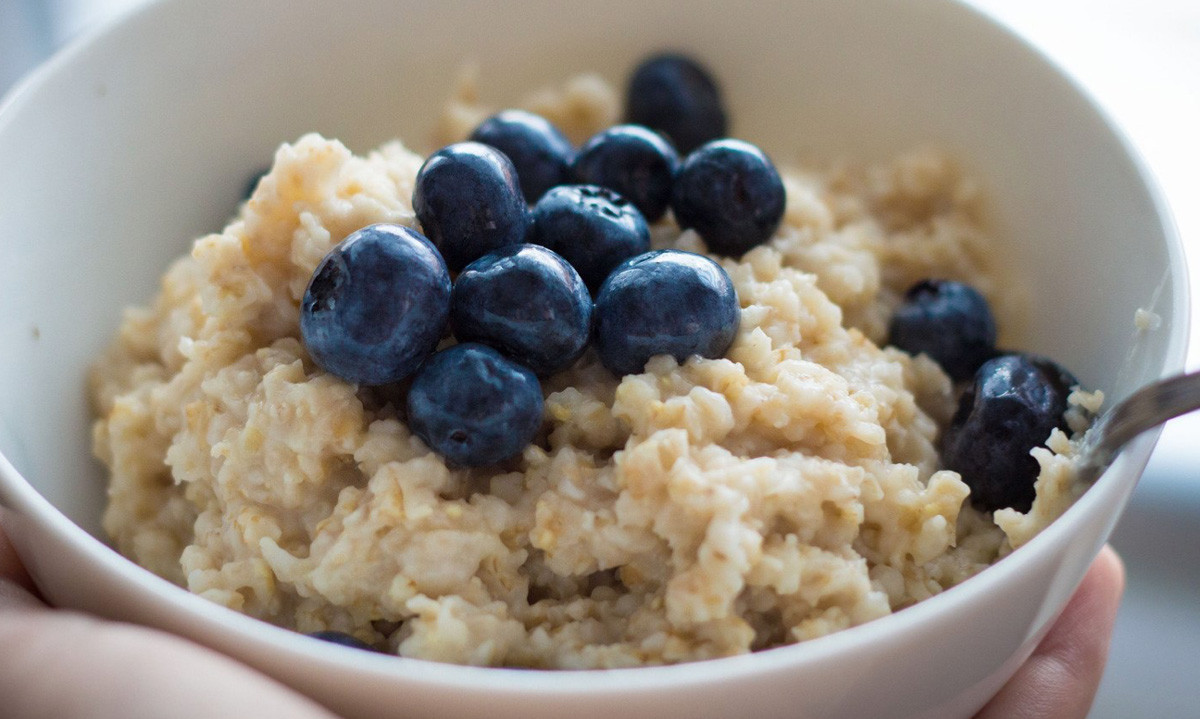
62 665
1060 680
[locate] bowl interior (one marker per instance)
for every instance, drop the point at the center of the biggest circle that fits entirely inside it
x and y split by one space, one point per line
124 149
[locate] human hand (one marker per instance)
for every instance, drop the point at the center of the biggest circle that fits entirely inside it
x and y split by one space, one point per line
63 664
1060 680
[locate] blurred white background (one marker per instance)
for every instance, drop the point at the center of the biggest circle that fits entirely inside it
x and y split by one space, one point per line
1141 60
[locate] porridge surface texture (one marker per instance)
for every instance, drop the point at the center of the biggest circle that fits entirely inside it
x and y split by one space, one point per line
699 510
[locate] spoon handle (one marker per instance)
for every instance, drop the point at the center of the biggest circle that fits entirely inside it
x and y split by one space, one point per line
1145 409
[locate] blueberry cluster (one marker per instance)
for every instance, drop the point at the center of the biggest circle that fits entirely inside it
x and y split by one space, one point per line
1010 403
551 251
551 248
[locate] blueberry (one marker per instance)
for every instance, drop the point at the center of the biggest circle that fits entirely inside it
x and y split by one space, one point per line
527 302
469 203
376 305
676 96
636 162
664 302
949 321
1013 404
730 193
474 406
539 151
343 639
252 182
594 228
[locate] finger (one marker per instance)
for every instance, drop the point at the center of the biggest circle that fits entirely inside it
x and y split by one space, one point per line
14 596
1060 680
66 665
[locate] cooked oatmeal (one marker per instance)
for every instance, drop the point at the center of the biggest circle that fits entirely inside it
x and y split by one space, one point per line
712 508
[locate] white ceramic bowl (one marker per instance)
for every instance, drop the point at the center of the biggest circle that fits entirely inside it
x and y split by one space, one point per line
122 149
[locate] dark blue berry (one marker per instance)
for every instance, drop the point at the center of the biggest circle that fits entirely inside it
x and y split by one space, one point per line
474 406
539 151
676 96
636 162
376 305
252 182
594 228
469 202
1013 404
341 638
665 302
949 321
527 302
730 193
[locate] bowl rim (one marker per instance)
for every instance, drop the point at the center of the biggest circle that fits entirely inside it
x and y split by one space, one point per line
222 625
216 622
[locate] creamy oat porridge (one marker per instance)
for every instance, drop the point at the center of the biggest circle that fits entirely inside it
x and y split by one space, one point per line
783 492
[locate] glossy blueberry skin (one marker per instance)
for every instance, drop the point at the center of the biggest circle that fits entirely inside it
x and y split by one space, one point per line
634 161
469 202
678 97
539 151
343 639
1010 408
474 406
376 305
593 228
949 321
730 193
527 302
664 302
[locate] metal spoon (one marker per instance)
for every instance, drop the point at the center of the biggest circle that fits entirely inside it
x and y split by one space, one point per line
1145 409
